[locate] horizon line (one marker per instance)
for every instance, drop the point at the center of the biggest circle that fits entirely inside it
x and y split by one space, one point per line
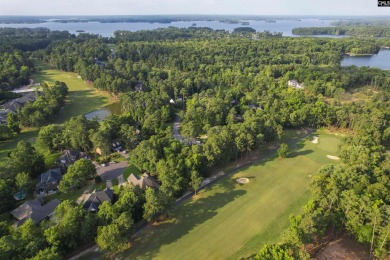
301 15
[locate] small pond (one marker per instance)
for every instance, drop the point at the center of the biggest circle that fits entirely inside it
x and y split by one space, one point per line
102 113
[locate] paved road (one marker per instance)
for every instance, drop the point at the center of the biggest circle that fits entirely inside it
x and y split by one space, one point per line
176 128
112 171
176 132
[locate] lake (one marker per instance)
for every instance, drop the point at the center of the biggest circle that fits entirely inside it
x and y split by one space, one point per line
104 112
107 29
380 60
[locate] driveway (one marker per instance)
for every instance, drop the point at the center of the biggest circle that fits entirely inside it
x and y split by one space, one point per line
176 128
112 171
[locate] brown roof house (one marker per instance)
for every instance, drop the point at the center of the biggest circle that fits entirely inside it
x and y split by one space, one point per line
96 198
145 181
35 210
48 181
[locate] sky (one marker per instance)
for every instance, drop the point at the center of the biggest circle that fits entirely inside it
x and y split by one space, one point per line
149 7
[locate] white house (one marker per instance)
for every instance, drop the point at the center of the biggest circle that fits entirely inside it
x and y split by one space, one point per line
295 84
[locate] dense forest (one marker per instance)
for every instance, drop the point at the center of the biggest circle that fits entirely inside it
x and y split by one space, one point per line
229 87
15 69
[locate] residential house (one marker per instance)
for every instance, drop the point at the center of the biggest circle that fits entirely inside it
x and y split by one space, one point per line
139 87
255 107
145 181
68 157
30 97
48 181
14 105
35 210
116 146
96 198
295 84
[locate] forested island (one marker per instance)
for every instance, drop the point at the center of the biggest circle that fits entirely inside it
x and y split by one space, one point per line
355 30
235 95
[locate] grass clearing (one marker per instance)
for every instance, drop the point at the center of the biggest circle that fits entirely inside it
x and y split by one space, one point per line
72 196
82 99
231 220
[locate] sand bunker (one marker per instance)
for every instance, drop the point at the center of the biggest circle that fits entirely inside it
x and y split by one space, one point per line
333 157
315 140
242 180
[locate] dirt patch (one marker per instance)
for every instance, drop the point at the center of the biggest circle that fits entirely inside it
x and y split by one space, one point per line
343 249
332 157
242 180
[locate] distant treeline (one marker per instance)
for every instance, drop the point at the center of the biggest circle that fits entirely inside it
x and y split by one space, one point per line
365 31
229 19
361 23
19 20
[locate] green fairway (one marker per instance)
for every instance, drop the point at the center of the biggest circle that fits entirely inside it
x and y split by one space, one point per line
82 99
231 220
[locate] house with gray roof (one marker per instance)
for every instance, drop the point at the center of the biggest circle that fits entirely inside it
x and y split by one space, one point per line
145 181
68 157
96 198
30 97
35 210
3 119
48 181
14 105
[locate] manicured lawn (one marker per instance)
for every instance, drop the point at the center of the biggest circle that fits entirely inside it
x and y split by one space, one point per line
231 220
81 100
72 196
